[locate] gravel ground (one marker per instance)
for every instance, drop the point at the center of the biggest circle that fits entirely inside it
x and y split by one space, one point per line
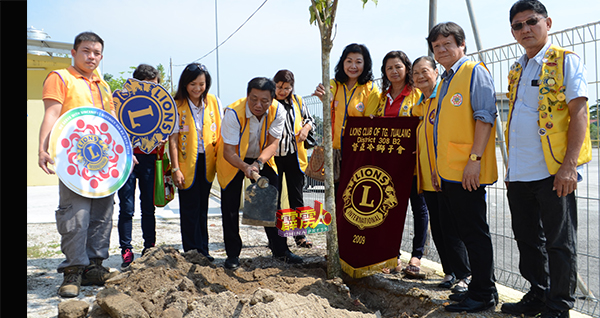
43 256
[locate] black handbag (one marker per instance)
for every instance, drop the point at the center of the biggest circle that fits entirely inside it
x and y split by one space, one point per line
310 141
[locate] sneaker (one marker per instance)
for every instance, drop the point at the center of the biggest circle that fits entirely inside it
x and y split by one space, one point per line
529 305
71 282
127 257
146 249
96 274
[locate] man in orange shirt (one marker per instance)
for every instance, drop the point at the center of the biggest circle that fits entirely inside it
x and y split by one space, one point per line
84 224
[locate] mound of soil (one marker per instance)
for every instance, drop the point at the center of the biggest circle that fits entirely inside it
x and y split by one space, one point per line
166 280
166 283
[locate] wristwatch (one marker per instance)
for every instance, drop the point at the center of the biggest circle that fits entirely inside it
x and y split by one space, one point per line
475 157
174 170
260 164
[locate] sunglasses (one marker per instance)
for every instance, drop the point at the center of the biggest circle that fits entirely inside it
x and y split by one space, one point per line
194 66
531 22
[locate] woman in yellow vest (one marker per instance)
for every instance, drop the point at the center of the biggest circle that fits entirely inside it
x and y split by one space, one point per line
397 100
353 90
291 156
447 242
193 150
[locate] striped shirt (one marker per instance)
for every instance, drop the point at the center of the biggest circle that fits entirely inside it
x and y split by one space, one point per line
287 143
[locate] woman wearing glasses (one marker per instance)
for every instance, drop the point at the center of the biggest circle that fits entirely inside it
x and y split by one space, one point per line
193 154
291 157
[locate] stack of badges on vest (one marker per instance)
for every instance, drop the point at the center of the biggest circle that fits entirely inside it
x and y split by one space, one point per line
552 96
147 111
92 153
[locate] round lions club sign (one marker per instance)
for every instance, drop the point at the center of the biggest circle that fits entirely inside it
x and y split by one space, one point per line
92 152
147 111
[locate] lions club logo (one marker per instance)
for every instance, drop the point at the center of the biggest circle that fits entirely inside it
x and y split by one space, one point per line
147 111
92 152
368 197
456 99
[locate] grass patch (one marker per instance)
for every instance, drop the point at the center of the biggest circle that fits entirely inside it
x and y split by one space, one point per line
43 251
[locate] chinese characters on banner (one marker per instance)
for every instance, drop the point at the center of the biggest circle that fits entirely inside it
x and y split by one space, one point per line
302 221
378 165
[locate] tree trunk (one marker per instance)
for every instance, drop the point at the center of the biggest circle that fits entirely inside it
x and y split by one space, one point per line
325 23
333 254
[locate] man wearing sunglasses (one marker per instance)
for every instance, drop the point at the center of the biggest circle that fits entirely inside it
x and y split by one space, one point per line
547 140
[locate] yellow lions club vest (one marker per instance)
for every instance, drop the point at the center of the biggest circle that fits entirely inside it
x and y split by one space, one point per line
426 163
190 137
553 111
80 91
406 107
456 131
301 153
356 102
225 171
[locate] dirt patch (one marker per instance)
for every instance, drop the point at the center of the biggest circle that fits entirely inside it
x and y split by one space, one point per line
166 280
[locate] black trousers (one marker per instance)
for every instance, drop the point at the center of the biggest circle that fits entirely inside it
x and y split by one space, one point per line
545 228
230 211
452 251
193 210
468 211
294 180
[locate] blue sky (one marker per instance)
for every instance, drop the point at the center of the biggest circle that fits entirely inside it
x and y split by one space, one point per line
278 36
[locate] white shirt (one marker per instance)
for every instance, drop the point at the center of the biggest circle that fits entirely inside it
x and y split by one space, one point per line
231 131
198 113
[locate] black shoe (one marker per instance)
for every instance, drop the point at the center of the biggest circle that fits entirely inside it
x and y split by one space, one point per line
210 258
470 305
448 283
458 297
462 286
232 262
550 313
290 258
529 305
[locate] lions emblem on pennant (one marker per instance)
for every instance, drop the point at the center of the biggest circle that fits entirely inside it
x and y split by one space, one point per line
368 197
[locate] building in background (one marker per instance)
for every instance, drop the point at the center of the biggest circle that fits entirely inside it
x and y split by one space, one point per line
43 56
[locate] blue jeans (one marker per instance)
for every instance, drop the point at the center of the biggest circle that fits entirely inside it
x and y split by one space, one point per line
420 218
144 172
545 228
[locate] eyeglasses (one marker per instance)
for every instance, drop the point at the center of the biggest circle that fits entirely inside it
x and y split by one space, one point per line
194 66
531 22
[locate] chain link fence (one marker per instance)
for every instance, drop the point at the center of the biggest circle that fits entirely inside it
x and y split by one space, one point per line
583 40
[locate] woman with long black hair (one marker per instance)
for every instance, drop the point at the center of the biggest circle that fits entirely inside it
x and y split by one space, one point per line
193 149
